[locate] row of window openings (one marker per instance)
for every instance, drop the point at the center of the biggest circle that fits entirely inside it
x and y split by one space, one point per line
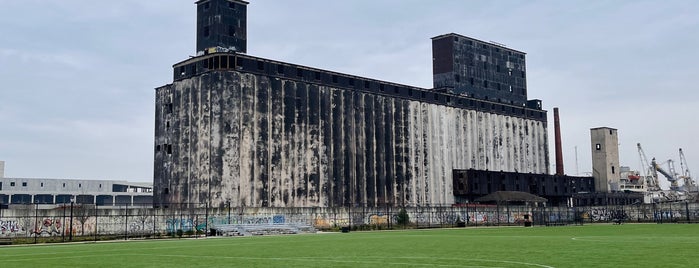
367 84
335 79
231 30
316 76
497 86
24 184
350 81
165 148
396 89
517 187
485 46
231 5
522 74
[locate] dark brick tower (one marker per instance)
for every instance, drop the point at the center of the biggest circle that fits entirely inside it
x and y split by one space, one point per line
478 69
222 23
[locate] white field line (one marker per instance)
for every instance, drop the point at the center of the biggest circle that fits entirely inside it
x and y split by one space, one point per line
376 260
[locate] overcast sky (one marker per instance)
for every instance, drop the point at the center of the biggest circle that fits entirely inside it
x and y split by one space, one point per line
77 76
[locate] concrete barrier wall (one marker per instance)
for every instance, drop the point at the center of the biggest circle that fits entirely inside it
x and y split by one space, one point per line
27 221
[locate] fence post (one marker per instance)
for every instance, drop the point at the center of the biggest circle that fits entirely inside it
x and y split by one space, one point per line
96 221
36 218
206 217
468 217
429 216
497 211
63 227
126 222
155 217
71 218
349 215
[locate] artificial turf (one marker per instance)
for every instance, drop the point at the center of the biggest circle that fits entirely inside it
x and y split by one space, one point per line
628 245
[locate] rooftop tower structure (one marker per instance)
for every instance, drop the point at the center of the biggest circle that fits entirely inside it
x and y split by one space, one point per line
221 24
483 70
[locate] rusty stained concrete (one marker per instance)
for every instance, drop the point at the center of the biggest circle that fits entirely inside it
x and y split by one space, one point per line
260 141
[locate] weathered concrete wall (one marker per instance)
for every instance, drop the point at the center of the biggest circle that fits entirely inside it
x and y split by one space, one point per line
259 141
25 221
604 144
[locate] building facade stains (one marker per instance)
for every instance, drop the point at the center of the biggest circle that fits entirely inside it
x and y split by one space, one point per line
242 131
245 139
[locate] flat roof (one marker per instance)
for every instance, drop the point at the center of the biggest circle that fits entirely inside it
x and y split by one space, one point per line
239 1
596 128
139 184
477 40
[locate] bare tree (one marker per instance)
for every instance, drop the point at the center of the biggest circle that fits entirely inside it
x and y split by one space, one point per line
82 214
142 217
25 215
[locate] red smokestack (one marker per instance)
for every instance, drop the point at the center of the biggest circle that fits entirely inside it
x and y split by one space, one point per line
559 150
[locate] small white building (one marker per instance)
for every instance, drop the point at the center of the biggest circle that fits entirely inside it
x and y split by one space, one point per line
65 191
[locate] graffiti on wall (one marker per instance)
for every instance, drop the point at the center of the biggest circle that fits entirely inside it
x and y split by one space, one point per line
604 214
665 215
49 227
144 226
42 227
85 227
330 222
378 219
10 227
190 224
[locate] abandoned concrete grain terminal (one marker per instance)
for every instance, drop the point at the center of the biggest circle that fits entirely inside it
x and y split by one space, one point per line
242 130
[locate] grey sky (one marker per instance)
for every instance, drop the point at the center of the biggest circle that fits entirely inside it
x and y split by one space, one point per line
77 76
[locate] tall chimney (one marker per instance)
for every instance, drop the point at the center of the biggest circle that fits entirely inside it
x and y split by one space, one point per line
559 149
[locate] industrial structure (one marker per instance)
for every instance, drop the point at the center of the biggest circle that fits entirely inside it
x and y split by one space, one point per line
619 185
681 185
606 172
43 191
237 130
605 158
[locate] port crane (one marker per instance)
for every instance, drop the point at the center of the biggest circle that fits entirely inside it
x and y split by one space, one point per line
650 174
669 175
686 176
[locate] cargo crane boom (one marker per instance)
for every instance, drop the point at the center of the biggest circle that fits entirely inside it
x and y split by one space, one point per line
686 176
670 177
650 175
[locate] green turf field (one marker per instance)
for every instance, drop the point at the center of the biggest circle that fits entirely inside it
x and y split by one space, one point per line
629 245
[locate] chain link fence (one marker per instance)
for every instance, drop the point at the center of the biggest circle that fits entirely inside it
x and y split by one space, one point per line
87 222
